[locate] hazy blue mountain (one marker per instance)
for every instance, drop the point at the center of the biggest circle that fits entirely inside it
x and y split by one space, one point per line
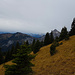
36 35
7 39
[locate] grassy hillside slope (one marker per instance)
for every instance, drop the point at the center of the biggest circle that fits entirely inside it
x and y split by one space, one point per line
62 63
2 69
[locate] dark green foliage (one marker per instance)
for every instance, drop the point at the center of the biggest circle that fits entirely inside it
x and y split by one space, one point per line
55 43
51 38
10 70
22 60
47 39
57 39
1 57
60 43
41 44
13 50
9 53
27 42
52 49
8 56
36 47
16 47
72 32
64 33
67 37
33 45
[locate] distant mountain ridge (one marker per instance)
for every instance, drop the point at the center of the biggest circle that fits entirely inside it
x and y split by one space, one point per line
36 35
56 33
7 39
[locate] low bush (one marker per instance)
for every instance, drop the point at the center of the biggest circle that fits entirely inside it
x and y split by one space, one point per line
52 49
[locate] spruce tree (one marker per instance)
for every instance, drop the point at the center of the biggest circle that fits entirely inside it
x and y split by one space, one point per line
47 39
72 32
51 38
36 46
27 42
22 62
16 47
1 57
52 49
8 56
33 45
12 51
63 34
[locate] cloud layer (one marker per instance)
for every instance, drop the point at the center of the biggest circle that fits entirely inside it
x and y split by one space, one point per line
36 16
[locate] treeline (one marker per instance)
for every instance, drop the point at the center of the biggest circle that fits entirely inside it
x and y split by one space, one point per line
64 35
8 55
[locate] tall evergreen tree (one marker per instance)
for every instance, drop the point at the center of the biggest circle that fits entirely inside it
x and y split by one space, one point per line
51 38
41 43
33 45
72 32
22 62
33 42
1 57
47 39
36 46
52 49
12 51
63 33
8 56
17 47
27 42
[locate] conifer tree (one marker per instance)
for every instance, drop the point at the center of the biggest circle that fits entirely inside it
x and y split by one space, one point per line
41 43
17 47
27 42
1 57
51 38
52 49
47 39
36 46
63 34
12 51
72 32
22 62
7 56
33 45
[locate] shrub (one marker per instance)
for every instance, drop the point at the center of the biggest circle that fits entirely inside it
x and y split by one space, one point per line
56 43
52 49
61 43
67 37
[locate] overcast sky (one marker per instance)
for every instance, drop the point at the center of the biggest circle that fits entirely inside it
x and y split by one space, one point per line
36 16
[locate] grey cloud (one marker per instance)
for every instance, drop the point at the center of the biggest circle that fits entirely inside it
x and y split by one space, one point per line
36 16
